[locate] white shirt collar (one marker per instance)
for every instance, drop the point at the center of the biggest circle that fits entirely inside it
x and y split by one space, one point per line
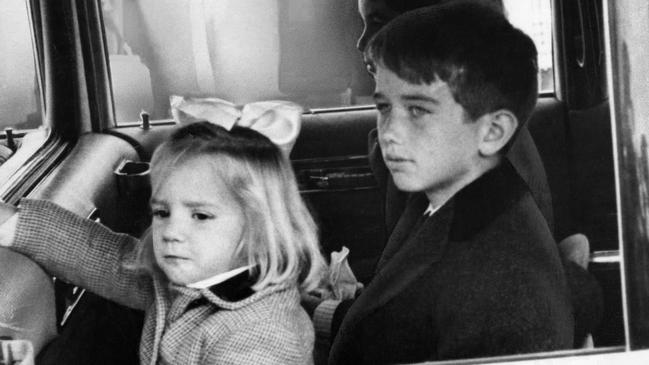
430 210
218 278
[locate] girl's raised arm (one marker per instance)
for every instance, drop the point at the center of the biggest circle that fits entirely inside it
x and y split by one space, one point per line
77 250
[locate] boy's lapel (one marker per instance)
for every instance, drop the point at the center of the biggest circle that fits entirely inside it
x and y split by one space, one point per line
404 228
420 249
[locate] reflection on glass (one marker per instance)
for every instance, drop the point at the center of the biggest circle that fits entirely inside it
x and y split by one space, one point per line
245 51
534 17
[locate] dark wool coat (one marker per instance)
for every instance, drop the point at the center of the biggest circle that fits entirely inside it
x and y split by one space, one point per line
182 325
481 277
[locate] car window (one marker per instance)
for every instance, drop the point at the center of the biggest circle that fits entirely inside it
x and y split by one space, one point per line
19 90
534 17
244 51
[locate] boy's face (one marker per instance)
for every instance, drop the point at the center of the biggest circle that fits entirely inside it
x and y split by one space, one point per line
197 225
426 138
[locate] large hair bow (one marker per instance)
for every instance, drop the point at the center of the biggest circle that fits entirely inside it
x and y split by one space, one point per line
280 121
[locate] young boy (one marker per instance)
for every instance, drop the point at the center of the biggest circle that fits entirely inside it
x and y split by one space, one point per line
523 154
471 268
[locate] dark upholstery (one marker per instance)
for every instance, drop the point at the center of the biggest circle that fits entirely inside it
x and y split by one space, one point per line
548 129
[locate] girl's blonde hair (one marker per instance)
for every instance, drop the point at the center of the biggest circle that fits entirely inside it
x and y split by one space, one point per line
280 236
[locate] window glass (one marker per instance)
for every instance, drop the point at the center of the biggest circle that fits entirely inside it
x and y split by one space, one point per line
243 51
19 91
534 17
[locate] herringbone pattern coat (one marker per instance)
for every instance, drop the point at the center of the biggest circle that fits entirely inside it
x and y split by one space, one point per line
182 325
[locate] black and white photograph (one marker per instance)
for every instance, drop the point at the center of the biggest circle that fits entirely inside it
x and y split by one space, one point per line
325 182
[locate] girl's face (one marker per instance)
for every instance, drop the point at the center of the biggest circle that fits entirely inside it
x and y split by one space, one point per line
197 225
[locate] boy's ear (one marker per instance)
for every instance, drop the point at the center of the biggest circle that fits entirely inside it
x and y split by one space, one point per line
497 129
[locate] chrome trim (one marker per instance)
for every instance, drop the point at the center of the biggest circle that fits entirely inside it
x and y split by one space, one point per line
37 165
534 358
341 109
609 13
324 160
320 191
605 257
626 39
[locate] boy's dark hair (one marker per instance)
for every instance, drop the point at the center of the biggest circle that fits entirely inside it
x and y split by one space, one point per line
402 6
487 63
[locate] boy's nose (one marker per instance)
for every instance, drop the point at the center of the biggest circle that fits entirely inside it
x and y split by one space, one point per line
388 128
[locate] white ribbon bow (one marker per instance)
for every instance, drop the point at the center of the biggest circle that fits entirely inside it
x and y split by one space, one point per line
280 121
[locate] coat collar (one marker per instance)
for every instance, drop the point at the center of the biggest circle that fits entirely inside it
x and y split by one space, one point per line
480 202
231 294
171 301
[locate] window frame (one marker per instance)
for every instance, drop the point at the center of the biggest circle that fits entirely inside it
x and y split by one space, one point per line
21 167
633 217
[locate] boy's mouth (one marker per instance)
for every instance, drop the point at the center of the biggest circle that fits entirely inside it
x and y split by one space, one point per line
174 257
391 159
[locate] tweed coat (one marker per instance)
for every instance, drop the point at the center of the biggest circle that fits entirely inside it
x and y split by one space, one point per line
182 325
481 277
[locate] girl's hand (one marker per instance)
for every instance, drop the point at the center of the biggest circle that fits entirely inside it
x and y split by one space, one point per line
8 223
310 302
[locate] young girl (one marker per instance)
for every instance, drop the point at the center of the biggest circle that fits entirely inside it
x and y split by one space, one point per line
231 247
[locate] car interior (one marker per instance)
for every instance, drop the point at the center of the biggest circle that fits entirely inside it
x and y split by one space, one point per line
94 163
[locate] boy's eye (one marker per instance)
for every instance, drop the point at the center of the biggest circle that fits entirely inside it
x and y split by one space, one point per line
160 213
202 216
417 111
